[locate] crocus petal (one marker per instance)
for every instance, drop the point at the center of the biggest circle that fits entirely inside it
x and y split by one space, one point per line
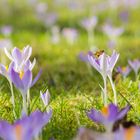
94 63
8 54
113 110
45 97
95 116
123 112
113 60
103 64
3 70
16 54
16 79
5 127
27 79
27 52
33 64
36 78
84 57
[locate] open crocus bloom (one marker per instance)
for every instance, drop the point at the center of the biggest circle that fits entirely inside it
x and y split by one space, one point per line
124 71
108 115
27 128
70 34
23 80
19 57
89 23
104 64
112 32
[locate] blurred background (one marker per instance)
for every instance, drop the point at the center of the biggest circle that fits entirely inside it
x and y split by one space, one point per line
61 32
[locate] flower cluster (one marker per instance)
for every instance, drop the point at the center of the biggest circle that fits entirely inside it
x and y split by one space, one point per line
104 64
19 73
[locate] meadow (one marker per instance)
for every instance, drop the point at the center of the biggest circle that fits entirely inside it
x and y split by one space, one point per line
74 85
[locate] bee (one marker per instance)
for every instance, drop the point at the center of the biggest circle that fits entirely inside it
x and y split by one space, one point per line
98 53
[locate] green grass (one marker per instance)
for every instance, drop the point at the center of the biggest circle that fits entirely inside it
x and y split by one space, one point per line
74 86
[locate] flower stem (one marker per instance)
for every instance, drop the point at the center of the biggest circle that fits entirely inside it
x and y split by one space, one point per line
105 91
114 90
12 98
28 98
25 105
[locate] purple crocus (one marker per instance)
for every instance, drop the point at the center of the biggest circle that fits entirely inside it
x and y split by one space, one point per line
132 133
104 64
27 128
70 34
89 23
23 80
45 97
112 32
124 71
5 43
135 65
41 8
6 30
19 57
108 115
5 71
50 19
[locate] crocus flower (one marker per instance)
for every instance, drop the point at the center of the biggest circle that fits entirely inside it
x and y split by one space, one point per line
132 133
50 19
70 34
108 115
5 71
135 65
41 8
28 65
6 30
27 128
23 81
5 43
89 23
104 64
88 134
124 71
124 16
19 57
45 97
112 32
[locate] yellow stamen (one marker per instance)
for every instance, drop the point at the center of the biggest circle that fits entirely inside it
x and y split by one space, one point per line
21 74
105 111
18 132
123 69
129 133
6 67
